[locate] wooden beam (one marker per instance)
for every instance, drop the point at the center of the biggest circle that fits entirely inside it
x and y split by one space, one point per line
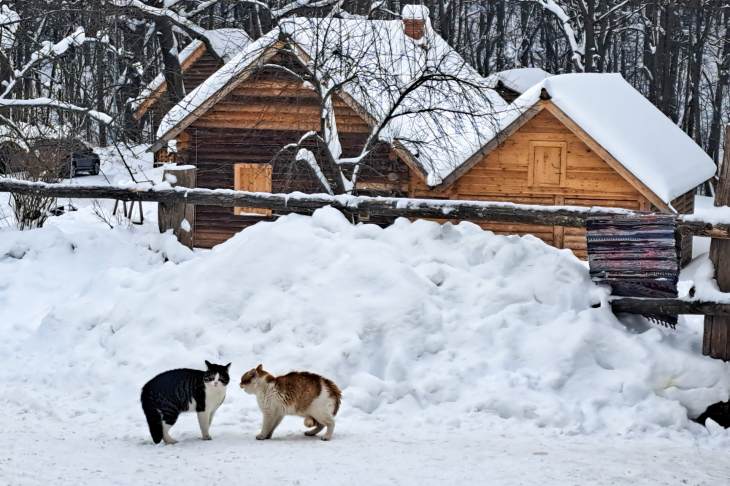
637 305
571 216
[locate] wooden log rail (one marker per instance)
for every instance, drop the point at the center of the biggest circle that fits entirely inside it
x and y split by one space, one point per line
638 305
572 216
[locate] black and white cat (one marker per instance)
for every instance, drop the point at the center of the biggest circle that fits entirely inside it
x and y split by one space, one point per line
170 393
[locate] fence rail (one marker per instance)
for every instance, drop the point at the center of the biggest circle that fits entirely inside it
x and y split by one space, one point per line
572 216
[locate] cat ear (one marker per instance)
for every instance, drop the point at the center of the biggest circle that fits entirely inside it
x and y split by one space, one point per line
228 365
260 368
208 364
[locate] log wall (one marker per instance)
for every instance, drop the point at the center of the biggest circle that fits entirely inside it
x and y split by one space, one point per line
252 124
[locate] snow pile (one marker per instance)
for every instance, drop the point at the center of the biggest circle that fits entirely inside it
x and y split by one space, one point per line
438 322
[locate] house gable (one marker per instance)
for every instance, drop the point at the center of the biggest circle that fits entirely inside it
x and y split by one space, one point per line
543 121
508 170
513 168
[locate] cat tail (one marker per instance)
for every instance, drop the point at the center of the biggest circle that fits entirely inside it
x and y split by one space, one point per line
154 421
335 394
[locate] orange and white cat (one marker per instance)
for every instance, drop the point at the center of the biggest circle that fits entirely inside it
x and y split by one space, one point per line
307 395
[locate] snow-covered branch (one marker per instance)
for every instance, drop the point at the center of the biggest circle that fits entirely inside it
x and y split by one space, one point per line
577 46
49 52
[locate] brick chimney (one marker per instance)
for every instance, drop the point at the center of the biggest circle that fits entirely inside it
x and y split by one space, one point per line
415 19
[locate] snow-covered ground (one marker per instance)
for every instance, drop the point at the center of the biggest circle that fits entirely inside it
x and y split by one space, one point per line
463 356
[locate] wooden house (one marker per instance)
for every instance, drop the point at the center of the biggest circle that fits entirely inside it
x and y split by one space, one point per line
553 145
198 63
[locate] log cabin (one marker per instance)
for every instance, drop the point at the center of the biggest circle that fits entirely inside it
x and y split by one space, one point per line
242 127
198 63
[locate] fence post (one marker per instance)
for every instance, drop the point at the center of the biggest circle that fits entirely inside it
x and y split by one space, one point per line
178 216
716 336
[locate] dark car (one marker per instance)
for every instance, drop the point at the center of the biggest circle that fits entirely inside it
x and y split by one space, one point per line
86 161
67 158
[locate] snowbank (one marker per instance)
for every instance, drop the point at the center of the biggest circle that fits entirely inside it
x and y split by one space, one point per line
438 322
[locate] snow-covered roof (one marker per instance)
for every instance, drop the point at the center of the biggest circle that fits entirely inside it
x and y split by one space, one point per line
225 42
518 79
628 126
441 123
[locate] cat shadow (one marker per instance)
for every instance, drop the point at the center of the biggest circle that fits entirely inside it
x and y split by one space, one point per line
190 441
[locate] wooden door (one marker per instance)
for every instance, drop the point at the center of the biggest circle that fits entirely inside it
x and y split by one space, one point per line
253 178
548 163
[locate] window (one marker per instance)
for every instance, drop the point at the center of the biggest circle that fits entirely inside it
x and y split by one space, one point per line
548 162
253 178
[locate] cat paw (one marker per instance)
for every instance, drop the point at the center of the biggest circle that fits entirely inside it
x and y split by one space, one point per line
170 441
261 437
207 437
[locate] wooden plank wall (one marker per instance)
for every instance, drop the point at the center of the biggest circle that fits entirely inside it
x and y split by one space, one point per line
503 175
252 124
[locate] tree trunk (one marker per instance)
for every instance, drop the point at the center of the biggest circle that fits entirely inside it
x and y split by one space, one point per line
172 69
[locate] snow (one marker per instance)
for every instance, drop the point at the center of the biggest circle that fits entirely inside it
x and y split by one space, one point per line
629 127
441 123
519 79
226 43
705 210
462 354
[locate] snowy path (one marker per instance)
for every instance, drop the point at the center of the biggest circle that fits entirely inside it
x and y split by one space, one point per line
364 453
